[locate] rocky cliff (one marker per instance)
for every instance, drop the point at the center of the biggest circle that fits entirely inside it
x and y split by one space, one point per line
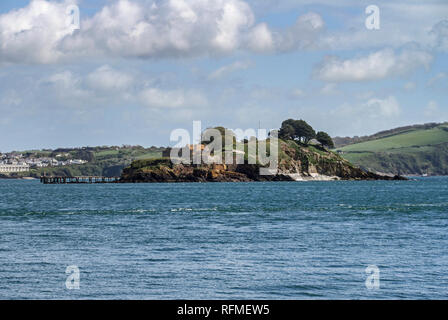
296 163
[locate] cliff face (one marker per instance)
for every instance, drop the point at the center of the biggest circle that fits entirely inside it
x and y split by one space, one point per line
162 170
296 163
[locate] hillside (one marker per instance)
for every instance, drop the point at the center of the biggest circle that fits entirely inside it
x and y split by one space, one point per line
297 162
344 141
107 161
414 150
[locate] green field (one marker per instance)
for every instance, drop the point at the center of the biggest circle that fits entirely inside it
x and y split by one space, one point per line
420 151
415 138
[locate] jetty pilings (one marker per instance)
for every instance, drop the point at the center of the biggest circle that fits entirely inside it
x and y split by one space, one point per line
78 180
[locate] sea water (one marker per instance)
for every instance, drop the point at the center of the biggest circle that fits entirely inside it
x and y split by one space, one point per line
274 240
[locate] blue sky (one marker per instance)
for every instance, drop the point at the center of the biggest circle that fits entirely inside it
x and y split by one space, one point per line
136 70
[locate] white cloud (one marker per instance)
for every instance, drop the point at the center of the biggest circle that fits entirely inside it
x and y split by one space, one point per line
302 35
440 34
64 79
260 39
107 79
346 119
233 17
402 21
104 87
178 98
370 116
377 65
437 79
375 108
39 33
379 108
233 67
66 85
62 90
410 59
32 34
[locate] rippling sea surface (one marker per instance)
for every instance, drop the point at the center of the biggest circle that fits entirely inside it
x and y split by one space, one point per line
275 240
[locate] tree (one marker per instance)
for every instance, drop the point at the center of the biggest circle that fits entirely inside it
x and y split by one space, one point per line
84 155
325 139
304 131
298 130
287 132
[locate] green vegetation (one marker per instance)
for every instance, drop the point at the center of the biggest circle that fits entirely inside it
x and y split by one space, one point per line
296 162
324 139
228 137
414 150
298 159
298 130
344 141
102 161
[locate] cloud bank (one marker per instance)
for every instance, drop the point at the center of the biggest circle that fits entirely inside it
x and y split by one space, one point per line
40 32
375 66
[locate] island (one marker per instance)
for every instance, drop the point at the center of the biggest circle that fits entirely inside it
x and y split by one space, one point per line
303 155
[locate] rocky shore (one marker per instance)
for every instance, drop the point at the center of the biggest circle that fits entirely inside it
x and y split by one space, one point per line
296 163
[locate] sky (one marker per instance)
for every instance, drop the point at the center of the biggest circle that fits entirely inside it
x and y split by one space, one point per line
133 71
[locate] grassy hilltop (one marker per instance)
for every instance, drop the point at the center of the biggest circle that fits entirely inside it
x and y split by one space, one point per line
421 149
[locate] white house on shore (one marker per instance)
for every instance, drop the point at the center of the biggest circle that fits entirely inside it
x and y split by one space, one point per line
11 168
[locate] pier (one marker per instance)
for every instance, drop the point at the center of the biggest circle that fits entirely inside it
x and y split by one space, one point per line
78 180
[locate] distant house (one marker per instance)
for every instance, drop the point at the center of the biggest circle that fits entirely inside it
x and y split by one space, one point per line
13 168
77 161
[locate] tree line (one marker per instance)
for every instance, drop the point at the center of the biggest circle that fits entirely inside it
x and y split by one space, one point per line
302 132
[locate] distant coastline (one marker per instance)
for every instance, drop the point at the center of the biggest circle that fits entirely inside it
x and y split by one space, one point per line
418 151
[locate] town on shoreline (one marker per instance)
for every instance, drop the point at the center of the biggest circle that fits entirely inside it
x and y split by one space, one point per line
15 162
105 161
